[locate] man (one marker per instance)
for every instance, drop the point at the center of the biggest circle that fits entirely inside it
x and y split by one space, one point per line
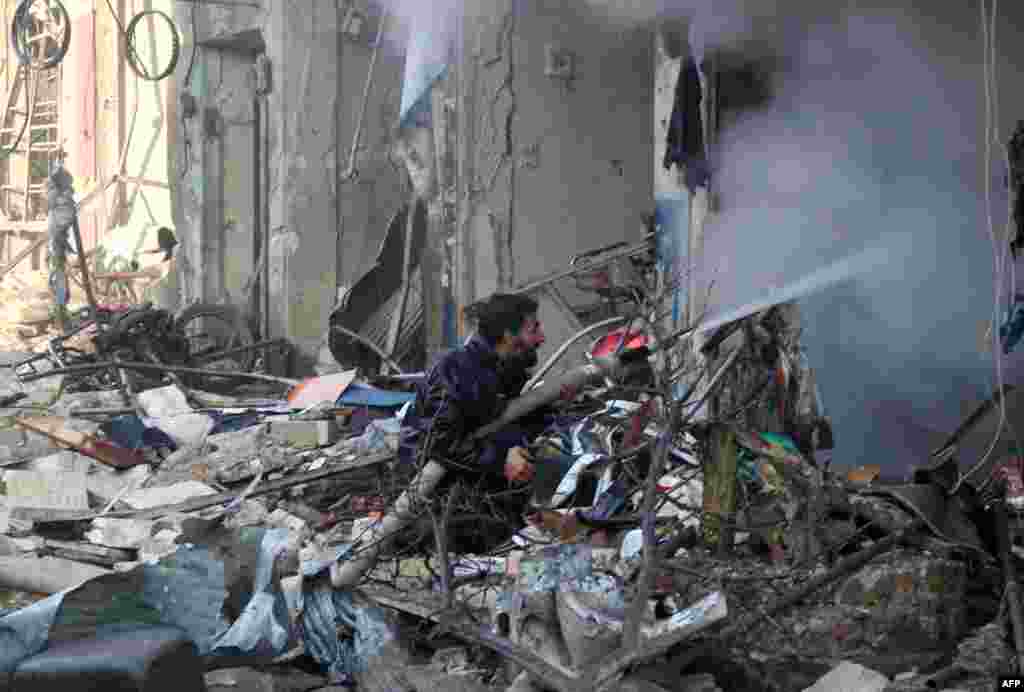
467 389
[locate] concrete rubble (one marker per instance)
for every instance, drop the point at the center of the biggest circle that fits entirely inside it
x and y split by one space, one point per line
773 571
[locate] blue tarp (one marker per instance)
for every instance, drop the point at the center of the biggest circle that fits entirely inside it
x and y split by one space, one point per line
425 62
324 610
186 589
365 395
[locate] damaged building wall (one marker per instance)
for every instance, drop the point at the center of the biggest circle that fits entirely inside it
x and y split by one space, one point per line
559 165
260 155
576 174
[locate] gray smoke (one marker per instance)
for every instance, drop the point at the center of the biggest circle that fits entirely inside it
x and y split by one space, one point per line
873 141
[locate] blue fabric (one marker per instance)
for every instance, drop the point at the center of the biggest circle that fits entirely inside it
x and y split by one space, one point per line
131 433
463 392
365 395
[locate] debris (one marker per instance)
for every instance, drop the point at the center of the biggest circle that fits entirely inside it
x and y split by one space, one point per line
168 495
119 533
35 490
316 390
850 677
44 574
303 434
60 433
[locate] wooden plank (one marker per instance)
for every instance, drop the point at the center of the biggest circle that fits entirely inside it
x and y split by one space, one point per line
54 428
36 244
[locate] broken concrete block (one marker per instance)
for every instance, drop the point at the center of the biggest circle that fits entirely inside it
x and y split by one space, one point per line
105 485
119 533
47 491
303 434
45 574
850 677
164 401
169 495
250 513
186 429
907 595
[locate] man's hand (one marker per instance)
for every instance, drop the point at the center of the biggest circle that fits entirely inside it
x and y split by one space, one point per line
518 468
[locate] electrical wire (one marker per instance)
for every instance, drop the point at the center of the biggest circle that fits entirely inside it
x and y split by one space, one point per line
187 164
1000 250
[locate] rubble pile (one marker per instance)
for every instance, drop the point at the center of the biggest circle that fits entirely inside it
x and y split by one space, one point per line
768 569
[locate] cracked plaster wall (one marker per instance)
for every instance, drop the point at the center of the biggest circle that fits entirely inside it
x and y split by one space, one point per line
322 233
578 174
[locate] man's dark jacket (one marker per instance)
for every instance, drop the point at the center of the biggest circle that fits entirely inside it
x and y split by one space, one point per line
468 388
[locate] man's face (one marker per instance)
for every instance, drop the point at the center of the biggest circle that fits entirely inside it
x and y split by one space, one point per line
530 336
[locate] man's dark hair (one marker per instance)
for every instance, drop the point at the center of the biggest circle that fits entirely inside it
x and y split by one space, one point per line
502 312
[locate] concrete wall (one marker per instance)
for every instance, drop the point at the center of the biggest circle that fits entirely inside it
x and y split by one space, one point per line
322 231
578 174
579 170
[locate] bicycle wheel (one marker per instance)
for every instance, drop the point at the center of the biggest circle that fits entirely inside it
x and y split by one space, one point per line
146 61
213 330
41 33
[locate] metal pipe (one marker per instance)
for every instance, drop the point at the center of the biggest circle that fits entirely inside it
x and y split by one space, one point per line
347 574
80 369
241 349
550 362
351 171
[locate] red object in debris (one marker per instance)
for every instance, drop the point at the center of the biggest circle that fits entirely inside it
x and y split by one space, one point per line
1010 471
663 584
609 344
367 504
776 552
840 631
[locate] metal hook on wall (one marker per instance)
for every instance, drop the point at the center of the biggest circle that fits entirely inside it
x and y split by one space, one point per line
351 172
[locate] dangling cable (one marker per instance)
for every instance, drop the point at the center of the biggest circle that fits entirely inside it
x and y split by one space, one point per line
1000 253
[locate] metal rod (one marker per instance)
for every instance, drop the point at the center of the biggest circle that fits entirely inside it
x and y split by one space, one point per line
242 349
550 362
370 345
348 574
351 172
80 369
83 266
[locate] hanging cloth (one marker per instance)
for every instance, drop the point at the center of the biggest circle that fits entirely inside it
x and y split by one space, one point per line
685 138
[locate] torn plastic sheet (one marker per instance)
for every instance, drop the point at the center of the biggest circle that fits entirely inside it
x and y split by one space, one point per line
186 589
326 612
570 481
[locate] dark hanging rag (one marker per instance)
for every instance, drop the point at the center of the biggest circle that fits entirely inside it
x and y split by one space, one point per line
685 132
